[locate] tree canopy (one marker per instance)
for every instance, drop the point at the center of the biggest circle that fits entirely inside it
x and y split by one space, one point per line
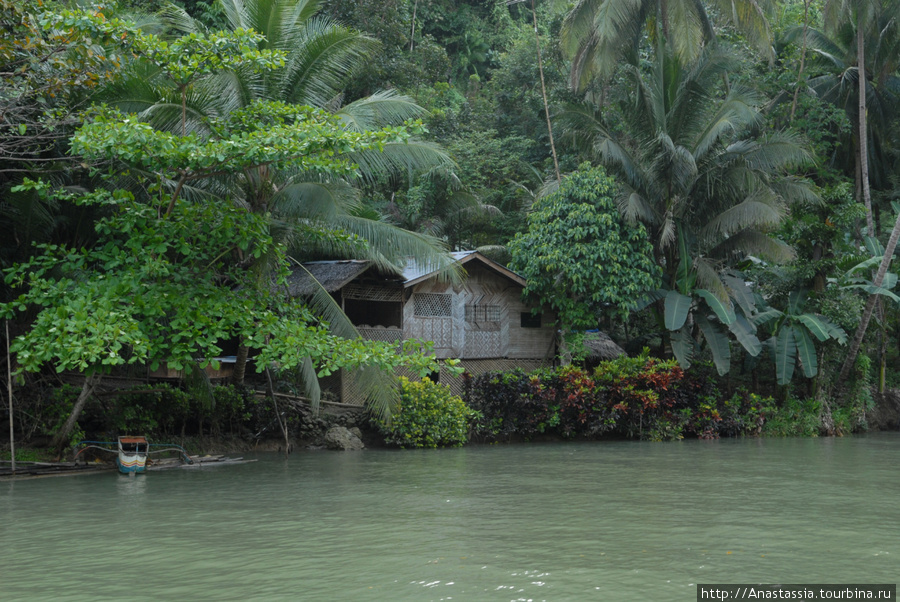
579 256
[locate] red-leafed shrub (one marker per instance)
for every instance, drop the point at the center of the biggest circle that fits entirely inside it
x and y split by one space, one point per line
641 397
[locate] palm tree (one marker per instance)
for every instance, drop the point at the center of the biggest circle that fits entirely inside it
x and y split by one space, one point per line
597 34
709 188
875 22
837 54
310 213
690 162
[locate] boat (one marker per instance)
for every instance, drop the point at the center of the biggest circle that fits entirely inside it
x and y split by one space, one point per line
133 454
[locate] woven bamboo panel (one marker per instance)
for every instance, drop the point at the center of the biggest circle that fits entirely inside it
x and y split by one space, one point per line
371 293
431 305
438 330
350 391
483 343
389 335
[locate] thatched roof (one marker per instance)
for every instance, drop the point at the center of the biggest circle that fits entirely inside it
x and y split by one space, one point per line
331 275
601 347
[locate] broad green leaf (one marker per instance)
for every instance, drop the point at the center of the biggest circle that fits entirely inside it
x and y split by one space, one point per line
873 246
795 301
814 325
876 290
766 316
677 307
834 331
745 333
741 293
718 345
806 351
648 298
725 313
785 355
865 265
683 347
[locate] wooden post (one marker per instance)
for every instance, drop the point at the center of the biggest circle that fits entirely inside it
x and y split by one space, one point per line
9 389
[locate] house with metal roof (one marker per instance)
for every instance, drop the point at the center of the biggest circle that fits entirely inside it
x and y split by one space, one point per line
481 320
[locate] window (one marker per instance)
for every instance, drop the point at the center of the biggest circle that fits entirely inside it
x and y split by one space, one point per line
529 320
432 305
482 313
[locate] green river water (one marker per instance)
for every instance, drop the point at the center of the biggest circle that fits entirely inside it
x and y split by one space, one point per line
561 521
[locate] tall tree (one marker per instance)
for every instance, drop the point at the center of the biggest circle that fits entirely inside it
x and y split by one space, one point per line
877 19
857 57
707 187
579 256
597 34
688 159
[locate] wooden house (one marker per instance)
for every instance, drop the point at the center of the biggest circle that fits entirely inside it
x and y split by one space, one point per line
483 321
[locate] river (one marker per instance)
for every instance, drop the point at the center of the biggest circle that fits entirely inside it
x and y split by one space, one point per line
560 521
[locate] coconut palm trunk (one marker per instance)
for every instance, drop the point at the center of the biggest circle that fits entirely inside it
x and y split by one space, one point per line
870 303
862 122
537 42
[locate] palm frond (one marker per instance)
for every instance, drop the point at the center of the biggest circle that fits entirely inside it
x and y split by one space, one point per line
777 152
758 244
731 116
324 57
400 158
309 381
750 18
378 110
760 210
709 278
176 19
380 390
389 247
312 200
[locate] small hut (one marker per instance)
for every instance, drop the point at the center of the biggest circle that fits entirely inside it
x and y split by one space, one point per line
483 321
601 348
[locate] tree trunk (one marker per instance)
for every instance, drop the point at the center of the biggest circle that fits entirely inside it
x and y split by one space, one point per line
863 134
870 304
240 365
537 42
806 4
61 438
412 34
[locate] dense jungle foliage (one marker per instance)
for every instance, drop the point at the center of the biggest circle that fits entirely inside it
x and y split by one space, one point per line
715 181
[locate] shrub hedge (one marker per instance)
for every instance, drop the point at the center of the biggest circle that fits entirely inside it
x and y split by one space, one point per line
640 397
428 415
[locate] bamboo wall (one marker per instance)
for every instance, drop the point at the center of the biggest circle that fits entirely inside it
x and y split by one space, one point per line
493 329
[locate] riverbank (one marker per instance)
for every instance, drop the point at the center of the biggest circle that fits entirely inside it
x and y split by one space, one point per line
627 398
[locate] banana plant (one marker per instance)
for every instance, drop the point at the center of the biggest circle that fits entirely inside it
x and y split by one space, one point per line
703 303
853 278
793 331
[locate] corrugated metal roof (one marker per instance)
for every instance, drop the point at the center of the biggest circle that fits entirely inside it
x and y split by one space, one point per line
416 270
334 275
